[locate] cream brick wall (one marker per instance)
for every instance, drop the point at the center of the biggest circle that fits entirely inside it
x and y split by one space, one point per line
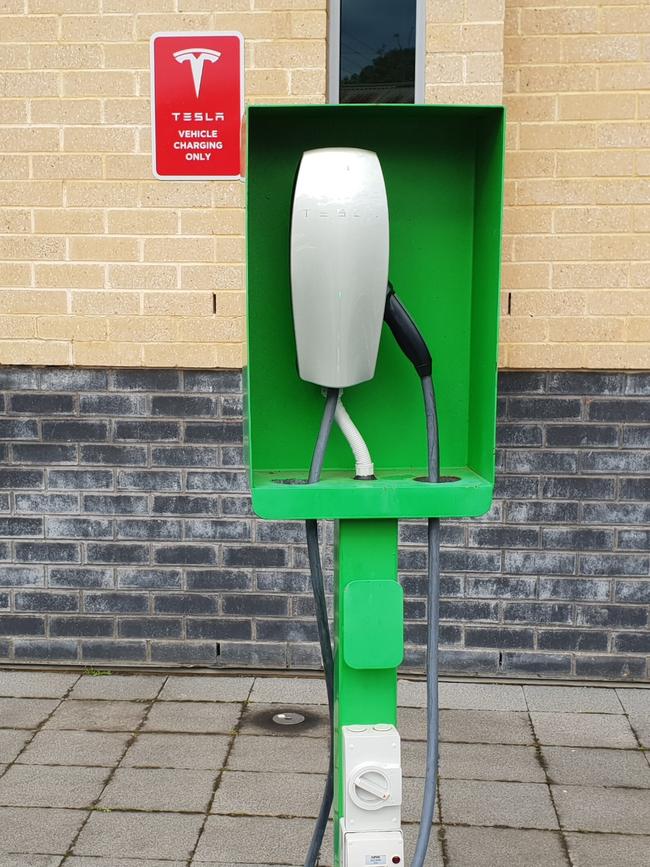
577 223
100 264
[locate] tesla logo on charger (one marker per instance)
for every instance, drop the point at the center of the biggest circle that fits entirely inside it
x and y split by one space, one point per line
196 111
197 57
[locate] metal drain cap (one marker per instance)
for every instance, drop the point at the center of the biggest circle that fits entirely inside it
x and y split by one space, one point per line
288 719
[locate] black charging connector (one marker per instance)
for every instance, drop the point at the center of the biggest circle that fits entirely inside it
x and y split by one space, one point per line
407 334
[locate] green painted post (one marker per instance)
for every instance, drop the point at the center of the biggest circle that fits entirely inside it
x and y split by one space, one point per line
365 550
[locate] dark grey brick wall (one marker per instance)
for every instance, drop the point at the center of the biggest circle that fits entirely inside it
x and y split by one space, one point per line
126 534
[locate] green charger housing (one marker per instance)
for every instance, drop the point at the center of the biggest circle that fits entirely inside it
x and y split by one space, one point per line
443 168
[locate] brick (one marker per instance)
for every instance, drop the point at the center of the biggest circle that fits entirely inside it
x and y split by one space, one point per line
219 629
539 562
188 603
108 651
582 435
52 650
148 480
21 576
74 431
83 528
574 539
635 489
38 600
80 627
616 616
38 404
220 530
110 504
584 640
21 624
574 588
538 664
537 612
117 553
185 555
46 552
219 579
614 564
152 579
634 539
21 479
21 526
582 488
80 479
543 408
113 455
116 603
524 461
252 604
82 577
219 481
184 456
619 410
610 667
150 627
616 513
499 638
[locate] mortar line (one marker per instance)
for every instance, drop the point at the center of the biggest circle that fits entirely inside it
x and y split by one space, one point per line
111 774
219 777
542 763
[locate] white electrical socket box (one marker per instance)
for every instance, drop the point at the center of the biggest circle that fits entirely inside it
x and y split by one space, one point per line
373 778
339 264
373 849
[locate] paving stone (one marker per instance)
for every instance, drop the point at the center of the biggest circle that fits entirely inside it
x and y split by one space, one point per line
252 753
590 767
485 726
434 852
25 713
411 693
641 724
490 762
11 743
504 847
620 811
289 690
583 730
118 687
30 830
608 850
35 684
572 699
25 860
636 701
47 785
248 840
481 696
98 715
188 716
412 792
177 751
514 805
258 719
206 688
93 749
139 835
413 758
174 789
121 862
269 794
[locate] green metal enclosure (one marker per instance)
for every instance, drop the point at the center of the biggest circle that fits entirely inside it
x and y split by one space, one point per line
443 167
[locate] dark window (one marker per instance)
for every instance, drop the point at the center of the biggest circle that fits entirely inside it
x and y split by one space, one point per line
377 49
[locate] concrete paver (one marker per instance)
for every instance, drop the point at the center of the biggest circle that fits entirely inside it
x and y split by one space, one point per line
27 830
640 723
139 835
572 699
92 749
504 847
588 767
486 726
44 785
490 762
269 794
515 805
177 751
620 811
204 688
193 716
635 701
12 742
253 753
35 684
287 690
608 850
25 860
118 687
481 696
98 715
75 861
175 790
25 713
253 840
583 730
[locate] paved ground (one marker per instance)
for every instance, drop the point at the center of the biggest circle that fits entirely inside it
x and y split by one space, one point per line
153 771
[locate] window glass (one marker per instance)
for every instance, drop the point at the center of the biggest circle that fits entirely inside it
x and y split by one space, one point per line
377 51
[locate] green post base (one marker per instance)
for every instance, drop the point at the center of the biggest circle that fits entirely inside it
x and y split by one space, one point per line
365 550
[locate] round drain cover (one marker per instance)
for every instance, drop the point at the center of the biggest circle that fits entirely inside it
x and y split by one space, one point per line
288 719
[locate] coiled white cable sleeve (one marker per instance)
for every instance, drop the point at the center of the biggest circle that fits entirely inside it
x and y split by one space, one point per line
364 467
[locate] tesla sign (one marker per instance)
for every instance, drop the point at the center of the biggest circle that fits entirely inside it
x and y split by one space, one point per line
197 101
